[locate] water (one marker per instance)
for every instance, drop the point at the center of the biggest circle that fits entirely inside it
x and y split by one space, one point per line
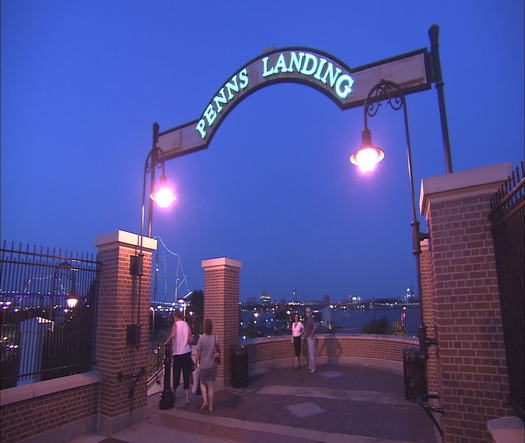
351 321
341 321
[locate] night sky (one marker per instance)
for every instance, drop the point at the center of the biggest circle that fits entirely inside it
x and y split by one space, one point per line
83 82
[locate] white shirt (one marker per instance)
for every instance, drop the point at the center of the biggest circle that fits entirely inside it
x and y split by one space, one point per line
180 344
297 329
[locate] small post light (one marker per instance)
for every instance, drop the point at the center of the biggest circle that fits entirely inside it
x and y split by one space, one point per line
72 300
368 155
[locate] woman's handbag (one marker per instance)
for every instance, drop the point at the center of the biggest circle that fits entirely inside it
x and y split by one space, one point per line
216 352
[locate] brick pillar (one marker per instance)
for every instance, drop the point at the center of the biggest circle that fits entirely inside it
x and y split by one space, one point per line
425 261
221 305
117 308
472 372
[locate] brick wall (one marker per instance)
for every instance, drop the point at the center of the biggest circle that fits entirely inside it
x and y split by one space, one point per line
26 418
41 407
118 307
428 315
381 347
221 305
472 380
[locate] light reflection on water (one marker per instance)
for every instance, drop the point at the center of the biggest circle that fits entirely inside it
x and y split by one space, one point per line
349 321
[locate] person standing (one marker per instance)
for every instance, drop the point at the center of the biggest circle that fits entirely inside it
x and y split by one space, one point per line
297 333
181 339
310 329
207 356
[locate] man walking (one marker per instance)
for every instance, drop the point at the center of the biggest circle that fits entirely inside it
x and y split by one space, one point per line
309 334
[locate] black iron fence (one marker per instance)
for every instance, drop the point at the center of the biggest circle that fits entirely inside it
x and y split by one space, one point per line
47 313
508 230
155 360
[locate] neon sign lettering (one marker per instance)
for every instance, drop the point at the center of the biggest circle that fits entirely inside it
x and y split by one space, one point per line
287 65
237 83
308 64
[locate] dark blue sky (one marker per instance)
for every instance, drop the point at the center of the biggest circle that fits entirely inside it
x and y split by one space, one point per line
82 82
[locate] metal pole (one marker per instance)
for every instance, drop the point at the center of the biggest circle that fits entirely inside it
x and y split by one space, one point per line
167 398
416 234
154 160
391 92
437 78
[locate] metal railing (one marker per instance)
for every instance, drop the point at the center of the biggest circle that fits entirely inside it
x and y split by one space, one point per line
508 229
155 362
47 313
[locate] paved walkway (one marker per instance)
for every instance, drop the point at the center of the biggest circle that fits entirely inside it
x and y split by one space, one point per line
350 403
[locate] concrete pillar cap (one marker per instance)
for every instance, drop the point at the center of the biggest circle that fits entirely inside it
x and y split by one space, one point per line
126 239
220 262
471 178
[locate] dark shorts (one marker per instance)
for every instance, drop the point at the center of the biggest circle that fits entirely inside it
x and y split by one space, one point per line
297 346
208 374
184 363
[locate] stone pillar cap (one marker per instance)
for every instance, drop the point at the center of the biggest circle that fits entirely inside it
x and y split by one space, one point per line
470 178
221 262
126 239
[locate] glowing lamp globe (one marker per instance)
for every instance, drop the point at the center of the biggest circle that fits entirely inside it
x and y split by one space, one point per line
368 155
163 195
72 301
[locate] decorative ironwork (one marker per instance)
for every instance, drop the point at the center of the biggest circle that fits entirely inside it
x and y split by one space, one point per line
47 312
391 93
384 91
508 230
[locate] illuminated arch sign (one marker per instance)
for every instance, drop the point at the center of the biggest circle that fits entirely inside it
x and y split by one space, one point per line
346 87
315 69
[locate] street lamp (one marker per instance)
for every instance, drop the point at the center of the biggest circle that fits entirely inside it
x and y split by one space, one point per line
162 194
72 298
368 155
182 301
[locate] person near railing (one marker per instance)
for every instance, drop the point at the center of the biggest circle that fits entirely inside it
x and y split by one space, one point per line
207 358
310 328
181 339
297 333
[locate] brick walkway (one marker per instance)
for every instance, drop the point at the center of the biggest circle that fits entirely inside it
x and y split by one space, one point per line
350 403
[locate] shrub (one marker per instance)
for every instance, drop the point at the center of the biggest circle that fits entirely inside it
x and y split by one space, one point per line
377 327
399 328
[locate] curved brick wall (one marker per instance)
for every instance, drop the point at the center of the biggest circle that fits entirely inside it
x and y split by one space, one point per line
381 347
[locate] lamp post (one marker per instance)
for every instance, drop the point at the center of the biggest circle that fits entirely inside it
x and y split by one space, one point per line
183 302
368 155
164 197
72 298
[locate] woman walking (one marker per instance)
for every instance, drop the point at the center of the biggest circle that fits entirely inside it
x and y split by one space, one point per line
297 333
207 357
181 339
